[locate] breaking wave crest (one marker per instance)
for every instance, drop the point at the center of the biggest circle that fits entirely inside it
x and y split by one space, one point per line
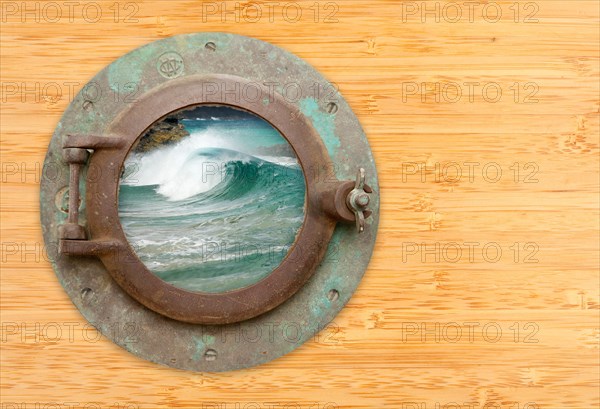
181 205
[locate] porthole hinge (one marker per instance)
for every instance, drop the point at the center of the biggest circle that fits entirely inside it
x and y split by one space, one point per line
76 153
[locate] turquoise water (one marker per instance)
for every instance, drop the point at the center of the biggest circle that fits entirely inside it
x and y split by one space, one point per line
217 210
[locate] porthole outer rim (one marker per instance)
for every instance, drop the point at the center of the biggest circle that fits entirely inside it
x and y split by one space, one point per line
180 345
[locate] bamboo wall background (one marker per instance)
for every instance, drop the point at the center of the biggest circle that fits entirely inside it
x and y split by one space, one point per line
428 325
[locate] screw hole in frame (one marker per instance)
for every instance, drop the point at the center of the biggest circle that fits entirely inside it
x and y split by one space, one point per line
86 293
333 295
332 108
210 355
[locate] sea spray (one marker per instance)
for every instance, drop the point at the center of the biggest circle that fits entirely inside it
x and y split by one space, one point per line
217 210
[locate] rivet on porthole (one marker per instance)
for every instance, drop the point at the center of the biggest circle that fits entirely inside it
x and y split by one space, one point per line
210 206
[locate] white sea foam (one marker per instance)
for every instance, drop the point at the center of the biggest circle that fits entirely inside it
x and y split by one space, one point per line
188 168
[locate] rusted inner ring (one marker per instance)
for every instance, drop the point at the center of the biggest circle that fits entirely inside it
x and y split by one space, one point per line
197 307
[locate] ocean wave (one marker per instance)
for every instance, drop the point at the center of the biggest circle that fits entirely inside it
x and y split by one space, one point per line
196 165
208 215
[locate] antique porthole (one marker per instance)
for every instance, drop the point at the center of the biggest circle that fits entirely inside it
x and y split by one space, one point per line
210 202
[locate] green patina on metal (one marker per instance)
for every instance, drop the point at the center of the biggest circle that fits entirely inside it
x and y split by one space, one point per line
323 122
178 344
125 73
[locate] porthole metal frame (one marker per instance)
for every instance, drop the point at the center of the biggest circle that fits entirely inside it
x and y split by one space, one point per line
99 269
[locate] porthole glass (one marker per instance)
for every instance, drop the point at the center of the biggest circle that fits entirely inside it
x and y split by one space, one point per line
211 198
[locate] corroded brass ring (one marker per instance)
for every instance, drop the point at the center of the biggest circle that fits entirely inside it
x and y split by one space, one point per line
97 265
129 271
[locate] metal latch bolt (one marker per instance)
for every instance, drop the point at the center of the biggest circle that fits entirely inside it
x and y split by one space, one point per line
358 200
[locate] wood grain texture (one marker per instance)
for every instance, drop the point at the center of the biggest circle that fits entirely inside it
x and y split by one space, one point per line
423 329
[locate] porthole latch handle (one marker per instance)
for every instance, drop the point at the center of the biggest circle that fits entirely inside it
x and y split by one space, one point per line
358 200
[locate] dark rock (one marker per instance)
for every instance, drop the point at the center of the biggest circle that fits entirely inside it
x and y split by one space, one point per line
166 132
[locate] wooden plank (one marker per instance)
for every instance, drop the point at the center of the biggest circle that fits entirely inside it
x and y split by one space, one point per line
441 317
